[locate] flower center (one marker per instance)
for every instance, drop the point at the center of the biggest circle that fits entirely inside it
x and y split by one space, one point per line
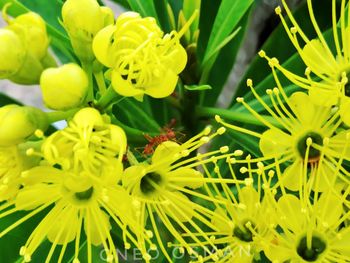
243 233
302 146
148 182
347 90
318 246
84 195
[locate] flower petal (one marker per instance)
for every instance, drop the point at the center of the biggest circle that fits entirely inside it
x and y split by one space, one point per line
292 175
124 87
180 208
63 229
163 86
303 107
290 213
344 109
164 153
274 142
189 177
101 45
96 226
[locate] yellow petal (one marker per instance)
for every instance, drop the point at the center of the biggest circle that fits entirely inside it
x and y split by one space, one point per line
164 86
97 226
292 175
124 87
276 251
323 97
180 208
164 152
290 213
274 142
344 109
328 209
323 177
101 45
133 174
189 177
63 230
338 144
221 221
303 107
317 58
250 198
36 195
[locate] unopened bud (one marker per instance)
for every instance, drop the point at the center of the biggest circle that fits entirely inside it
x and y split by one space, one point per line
20 122
64 87
83 19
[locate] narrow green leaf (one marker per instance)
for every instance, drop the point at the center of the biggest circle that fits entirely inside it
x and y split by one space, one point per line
227 18
197 87
144 7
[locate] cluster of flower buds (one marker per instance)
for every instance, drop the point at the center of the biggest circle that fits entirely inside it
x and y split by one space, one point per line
24 49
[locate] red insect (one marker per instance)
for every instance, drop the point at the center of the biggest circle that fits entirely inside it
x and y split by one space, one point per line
168 134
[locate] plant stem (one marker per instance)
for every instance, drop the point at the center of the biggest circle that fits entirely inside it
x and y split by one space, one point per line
60 115
100 82
88 69
107 98
234 116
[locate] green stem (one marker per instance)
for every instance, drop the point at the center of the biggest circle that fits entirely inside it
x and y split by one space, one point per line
234 116
107 98
88 69
100 82
60 115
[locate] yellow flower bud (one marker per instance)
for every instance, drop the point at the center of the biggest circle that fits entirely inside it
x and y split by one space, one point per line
32 29
64 87
144 61
19 122
12 53
83 19
23 49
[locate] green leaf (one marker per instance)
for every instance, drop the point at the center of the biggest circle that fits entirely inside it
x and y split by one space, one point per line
162 12
144 7
123 3
227 19
221 69
197 87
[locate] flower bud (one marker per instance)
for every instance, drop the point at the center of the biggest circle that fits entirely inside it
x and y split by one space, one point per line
12 53
20 122
64 87
82 20
31 28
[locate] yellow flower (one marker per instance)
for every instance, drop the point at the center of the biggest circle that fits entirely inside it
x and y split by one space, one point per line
162 191
309 232
17 123
65 87
89 142
83 19
302 133
332 68
74 200
142 59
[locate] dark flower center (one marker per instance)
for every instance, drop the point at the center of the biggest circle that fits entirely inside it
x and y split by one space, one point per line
148 181
347 90
302 146
243 233
318 246
84 195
